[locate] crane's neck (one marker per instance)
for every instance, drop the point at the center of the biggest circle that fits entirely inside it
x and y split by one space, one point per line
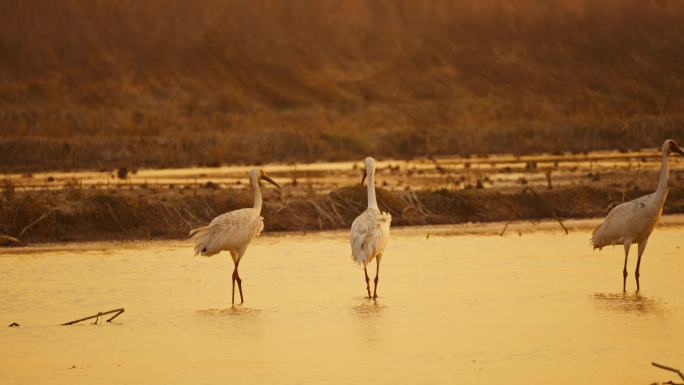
257 194
372 202
661 191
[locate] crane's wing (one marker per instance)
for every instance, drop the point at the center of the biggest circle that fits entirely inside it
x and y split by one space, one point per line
625 222
369 235
232 230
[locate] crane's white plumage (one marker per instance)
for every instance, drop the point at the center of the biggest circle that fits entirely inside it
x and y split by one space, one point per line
233 231
370 231
370 234
634 221
628 222
230 231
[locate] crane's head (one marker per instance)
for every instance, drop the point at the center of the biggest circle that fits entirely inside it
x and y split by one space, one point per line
369 168
670 146
258 174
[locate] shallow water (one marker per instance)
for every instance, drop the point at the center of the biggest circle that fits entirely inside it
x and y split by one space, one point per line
470 308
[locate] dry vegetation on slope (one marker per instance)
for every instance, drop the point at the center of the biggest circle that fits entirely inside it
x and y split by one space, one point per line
103 83
81 214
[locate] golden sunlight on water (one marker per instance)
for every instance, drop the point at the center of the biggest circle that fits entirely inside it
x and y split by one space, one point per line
452 309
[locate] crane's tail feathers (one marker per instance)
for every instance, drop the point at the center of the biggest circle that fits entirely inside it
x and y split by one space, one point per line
597 239
194 231
359 259
363 248
360 251
207 240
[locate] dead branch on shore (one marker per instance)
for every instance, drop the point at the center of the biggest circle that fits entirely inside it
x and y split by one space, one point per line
657 365
97 316
114 217
43 216
543 203
181 217
414 202
9 241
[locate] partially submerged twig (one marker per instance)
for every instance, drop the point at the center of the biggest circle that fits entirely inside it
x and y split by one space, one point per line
504 229
98 315
657 365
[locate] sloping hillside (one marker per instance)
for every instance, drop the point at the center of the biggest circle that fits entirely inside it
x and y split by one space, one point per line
102 83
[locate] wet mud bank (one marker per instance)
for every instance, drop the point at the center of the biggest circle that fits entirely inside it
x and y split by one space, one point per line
118 214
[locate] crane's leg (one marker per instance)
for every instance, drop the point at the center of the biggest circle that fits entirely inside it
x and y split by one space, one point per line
624 269
377 273
239 282
367 281
235 276
642 247
233 292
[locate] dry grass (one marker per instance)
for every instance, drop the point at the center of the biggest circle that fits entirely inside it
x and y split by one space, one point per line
104 83
77 214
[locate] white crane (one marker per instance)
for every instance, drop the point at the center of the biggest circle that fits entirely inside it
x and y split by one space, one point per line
634 221
370 231
233 230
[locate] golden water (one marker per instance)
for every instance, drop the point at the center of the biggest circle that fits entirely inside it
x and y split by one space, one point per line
541 307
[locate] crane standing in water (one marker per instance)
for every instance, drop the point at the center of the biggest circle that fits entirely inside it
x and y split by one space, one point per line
370 231
233 231
634 221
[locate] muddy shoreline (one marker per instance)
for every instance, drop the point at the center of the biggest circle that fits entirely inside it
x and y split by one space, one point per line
95 215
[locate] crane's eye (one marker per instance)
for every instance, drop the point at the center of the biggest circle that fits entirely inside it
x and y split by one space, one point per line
673 145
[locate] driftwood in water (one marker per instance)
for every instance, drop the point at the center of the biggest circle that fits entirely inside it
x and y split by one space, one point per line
98 315
657 365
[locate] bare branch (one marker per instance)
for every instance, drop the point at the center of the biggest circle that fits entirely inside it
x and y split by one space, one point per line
97 316
43 216
657 365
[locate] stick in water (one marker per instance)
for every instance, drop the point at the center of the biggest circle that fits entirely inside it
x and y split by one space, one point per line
98 315
657 365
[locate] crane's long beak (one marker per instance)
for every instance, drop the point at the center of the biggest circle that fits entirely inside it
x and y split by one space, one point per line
677 149
363 178
269 180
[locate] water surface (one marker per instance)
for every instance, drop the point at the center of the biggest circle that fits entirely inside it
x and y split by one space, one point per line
469 308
